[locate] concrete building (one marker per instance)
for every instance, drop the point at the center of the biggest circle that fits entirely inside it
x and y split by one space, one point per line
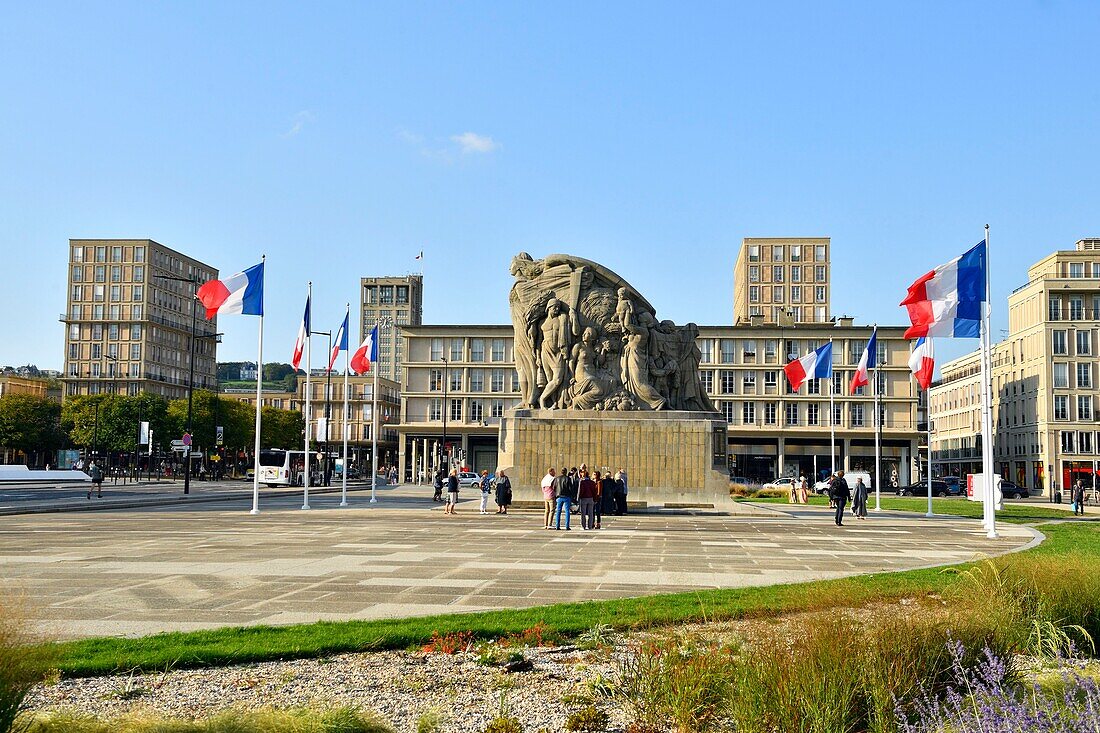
11 384
467 374
1044 382
782 281
126 329
398 301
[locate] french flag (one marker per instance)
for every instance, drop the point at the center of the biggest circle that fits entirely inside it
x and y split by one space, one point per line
817 364
341 343
866 362
922 362
366 354
240 294
303 335
948 300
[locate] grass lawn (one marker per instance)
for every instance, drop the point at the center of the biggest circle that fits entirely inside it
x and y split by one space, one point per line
222 647
957 507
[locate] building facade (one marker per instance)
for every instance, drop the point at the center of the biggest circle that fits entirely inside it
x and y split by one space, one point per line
782 281
466 374
127 328
398 301
1044 382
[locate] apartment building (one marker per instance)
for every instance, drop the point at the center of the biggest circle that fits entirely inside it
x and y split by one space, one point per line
128 319
1044 382
782 281
397 301
466 374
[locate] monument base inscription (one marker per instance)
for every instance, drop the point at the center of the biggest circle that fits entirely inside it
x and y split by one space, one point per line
671 457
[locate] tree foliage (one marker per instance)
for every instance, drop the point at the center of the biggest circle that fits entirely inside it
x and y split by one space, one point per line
31 424
119 417
281 428
209 410
274 372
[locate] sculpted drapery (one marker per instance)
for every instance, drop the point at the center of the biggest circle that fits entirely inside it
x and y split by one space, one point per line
586 340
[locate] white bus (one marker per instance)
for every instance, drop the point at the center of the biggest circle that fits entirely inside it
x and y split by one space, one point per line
280 467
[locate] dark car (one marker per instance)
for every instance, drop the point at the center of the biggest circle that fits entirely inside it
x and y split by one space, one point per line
1010 490
939 488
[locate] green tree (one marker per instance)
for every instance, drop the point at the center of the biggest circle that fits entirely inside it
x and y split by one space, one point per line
118 420
281 428
273 371
290 382
31 424
209 410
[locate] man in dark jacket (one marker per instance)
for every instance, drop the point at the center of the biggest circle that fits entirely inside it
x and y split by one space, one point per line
841 494
565 493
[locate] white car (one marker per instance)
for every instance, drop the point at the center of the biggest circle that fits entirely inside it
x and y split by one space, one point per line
784 483
469 479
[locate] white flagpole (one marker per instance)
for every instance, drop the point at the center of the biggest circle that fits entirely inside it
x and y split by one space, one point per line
928 424
832 415
374 423
878 428
259 403
347 358
309 394
987 405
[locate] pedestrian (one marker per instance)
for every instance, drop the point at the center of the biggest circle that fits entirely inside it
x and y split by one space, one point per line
97 480
859 500
393 475
608 501
830 480
564 494
620 492
548 496
803 490
575 480
485 484
840 493
437 484
1079 498
586 494
504 493
452 492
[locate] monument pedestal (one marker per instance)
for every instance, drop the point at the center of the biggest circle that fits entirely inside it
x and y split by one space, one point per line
672 459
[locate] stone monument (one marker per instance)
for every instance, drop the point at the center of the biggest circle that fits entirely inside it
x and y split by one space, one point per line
603 382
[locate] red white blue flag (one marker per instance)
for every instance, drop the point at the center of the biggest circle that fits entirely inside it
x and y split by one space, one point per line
948 300
922 362
240 294
817 364
341 343
303 335
866 362
366 354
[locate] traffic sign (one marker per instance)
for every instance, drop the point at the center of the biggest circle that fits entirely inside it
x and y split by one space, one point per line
178 444
187 438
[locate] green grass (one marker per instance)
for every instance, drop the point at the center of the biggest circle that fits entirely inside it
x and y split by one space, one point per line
222 647
339 720
957 507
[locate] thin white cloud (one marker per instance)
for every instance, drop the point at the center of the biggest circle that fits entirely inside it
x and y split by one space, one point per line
471 142
299 121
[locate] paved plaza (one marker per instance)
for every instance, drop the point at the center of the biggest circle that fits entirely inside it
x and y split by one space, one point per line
197 566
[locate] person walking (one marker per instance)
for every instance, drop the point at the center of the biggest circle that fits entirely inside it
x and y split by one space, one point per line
548 497
840 493
503 493
620 492
564 493
96 475
485 484
586 494
437 485
452 492
803 490
859 500
1079 498
608 499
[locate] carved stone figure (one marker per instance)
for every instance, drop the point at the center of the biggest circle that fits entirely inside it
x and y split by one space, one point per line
586 340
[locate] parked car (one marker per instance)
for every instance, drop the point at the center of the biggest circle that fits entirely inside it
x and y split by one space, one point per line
785 483
939 488
1010 490
468 479
743 480
822 487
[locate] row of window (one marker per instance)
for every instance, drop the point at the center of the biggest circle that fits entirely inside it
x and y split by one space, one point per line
1072 441
1082 370
1072 308
796 414
778 294
779 272
114 332
456 349
796 252
727 380
98 273
792 349
475 380
99 253
1062 404
386 294
96 351
99 312
98 293
798 314
1059 342
476 410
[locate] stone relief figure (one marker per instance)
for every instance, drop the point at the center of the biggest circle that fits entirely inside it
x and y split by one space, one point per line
586 340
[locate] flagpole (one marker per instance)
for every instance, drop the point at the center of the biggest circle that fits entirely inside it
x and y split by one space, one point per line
987 405
878 427
928 425
309 394
374 422
347 358
832 414
259 403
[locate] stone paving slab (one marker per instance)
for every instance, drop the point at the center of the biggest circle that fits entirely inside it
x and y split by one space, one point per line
140 571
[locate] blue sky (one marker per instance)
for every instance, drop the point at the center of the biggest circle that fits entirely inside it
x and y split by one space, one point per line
342 139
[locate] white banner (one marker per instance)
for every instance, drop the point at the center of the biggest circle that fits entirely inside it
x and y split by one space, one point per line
143 433
322 422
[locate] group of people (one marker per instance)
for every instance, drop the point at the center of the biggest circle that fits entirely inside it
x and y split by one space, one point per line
840 493
597 494
500 485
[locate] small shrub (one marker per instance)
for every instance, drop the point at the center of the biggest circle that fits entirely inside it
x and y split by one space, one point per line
451 643
430 722
590 719
740 490
537 635
771 494
504 724
600 636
